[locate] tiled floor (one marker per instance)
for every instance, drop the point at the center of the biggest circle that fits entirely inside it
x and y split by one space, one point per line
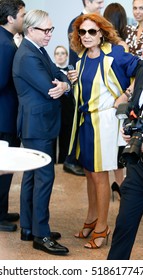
68 210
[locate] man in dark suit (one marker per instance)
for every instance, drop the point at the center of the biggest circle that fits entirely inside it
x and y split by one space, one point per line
71 165
11 18
39 84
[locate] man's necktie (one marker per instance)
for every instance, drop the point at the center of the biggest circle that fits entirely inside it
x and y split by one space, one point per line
43 51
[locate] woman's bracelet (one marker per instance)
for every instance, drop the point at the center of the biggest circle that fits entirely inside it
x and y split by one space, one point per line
128 93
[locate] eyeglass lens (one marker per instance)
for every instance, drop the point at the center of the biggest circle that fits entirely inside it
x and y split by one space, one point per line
58 53
91 32
46 31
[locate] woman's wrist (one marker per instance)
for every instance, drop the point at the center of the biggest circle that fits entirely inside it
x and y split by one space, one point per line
115 105
128 93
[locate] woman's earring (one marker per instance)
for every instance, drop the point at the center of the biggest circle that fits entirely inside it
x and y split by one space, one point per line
80 42
102 41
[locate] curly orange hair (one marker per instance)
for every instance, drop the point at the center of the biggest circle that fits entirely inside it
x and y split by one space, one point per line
107 29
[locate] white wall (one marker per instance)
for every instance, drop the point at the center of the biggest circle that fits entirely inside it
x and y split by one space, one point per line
62 12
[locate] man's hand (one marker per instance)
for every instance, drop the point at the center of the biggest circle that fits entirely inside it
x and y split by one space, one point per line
125 137
58 90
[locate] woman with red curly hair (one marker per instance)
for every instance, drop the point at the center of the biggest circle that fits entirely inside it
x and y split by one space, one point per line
102 74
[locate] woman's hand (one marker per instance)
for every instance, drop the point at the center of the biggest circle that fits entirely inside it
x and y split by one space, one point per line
121 99
72 76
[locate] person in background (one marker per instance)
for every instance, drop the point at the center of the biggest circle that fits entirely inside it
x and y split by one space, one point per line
39 84
90 6
116 14
11 19
135 32
61 58
62 143
101 79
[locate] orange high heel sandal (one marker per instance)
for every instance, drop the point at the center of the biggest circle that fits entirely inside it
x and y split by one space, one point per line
90 226
104 234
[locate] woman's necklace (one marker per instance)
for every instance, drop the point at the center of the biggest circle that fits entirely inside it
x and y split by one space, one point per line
93 53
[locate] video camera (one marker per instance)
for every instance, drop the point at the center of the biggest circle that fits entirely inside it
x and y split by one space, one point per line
133 126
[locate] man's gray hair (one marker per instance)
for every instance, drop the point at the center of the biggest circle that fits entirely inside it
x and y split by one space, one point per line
34 18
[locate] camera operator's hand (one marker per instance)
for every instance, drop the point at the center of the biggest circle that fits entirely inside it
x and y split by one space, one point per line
125 137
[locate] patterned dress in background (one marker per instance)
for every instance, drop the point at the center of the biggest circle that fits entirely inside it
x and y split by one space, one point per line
135 45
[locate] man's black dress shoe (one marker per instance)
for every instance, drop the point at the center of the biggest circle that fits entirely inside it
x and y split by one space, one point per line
55 235
74 169
6 226
12 217
26 235
50 246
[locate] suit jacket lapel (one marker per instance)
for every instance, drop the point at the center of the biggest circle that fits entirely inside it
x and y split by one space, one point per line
45 58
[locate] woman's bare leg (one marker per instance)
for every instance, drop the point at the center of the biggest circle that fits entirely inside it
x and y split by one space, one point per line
101 181
119 176
92 209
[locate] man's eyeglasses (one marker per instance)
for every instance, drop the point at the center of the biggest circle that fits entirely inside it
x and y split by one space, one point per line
58 53
92 32
46 31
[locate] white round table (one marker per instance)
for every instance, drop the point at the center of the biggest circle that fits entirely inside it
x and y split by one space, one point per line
21 159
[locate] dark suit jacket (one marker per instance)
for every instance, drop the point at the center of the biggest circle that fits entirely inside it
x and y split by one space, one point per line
33 73
8 96
73 57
